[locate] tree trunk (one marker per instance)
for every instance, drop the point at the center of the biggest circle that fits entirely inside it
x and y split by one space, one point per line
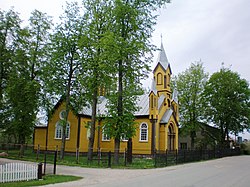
129 151
119 111
92 127
67 105
117 150
21 142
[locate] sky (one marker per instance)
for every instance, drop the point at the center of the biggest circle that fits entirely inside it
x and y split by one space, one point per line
211 31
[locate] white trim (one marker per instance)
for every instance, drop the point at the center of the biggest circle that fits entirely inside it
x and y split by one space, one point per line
58 124
106 139
140 140
60 114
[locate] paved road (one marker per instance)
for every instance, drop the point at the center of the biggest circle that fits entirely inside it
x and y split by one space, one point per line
229 171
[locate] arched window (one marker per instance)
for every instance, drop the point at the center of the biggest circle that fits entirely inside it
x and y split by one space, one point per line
159 78
165 81
171 137
168 79
105 136
144 132
152 101
59 129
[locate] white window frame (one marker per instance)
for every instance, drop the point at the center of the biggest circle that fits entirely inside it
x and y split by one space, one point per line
58 130
61 115
124 138
105 137
143 128
88 129
58 127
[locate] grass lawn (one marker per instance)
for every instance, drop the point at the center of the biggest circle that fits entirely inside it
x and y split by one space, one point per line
48 179
70 160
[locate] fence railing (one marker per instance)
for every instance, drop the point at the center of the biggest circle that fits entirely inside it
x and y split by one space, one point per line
11 172
184 156
140 158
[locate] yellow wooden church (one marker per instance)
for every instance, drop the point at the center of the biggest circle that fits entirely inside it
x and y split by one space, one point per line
156 120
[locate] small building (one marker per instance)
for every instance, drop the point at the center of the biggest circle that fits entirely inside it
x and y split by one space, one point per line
156 120
207 137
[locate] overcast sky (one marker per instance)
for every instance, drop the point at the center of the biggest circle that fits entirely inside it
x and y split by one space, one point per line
213 31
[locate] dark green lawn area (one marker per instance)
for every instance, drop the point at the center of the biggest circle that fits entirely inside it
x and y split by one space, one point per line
70 160
48 179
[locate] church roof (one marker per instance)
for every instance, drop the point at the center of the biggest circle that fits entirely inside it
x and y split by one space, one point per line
166 116
162 59
142 104
161 100
175 96
153 87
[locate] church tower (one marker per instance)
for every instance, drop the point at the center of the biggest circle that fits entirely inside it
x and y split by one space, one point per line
163 107
162 73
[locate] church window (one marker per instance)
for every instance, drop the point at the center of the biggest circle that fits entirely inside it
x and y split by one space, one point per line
159 78
168 79
124 137
144 132
59 130
169 103
62 114
165 81
105 135
88 129
152 101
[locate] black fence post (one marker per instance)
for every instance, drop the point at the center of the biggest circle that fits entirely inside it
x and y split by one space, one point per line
39 172
37 152
77 155
176 156
45 161
155 155
166 157
184 155
109 159
55 158
125 157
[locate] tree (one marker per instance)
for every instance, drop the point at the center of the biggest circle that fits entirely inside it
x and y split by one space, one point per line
227 102
190 85
39 27
129 47
97 14
65 64
22 92
9 28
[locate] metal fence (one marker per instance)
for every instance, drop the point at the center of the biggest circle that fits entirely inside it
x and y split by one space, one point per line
184 156
139 158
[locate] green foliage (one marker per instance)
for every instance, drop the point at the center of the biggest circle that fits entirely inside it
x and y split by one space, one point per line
9 29
190 85
23 54
22 99
227 102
